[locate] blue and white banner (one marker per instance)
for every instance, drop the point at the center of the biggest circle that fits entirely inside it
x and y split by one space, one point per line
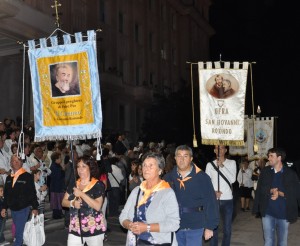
66 88
259 132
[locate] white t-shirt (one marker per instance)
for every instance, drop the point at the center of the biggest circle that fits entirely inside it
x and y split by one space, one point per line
229 171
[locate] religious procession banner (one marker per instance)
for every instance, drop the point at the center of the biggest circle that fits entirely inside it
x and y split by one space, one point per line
222 102
243 149
66 88
261 135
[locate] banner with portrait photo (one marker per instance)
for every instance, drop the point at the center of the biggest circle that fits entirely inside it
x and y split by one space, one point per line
222 102
66 88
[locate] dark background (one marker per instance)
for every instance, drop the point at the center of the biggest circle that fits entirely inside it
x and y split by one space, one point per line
265 32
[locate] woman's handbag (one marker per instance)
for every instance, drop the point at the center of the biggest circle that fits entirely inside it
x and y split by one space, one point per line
34 233
141 242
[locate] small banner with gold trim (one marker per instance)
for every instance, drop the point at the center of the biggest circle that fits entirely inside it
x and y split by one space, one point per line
66 88
222 102
262 135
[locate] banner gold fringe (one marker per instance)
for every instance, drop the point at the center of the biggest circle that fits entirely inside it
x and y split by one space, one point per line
223 142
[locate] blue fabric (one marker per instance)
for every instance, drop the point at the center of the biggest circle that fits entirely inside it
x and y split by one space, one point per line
57 175
272 226
141 216
20 218
191 196
66 130
277 208
291 187
189 237
226 211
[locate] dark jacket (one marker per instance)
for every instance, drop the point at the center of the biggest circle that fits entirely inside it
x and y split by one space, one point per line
291 192
22 195
198 192
57 175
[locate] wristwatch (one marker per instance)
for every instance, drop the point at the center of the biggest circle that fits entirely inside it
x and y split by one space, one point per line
148 228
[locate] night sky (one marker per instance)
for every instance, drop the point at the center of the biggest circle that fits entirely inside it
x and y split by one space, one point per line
264 31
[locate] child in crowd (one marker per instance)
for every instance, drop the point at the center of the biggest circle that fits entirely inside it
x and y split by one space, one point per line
41 190
2 219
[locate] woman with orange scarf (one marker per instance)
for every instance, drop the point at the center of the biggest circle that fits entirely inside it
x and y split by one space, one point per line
151 213
85 201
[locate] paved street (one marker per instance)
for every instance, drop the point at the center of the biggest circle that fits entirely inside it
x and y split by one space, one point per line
246 231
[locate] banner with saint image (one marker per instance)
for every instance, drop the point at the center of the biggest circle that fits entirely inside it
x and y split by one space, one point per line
262 135
222 102
66 88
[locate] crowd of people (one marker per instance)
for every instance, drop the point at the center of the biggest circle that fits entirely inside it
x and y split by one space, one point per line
161 193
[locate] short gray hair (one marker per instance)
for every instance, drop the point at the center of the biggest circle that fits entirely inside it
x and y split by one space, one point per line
158 157
184 147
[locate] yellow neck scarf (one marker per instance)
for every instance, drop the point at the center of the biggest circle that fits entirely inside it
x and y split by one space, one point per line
16 175
147 192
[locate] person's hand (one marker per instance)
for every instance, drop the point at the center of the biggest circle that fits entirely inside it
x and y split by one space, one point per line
208 234
130 226
218 194
274 193
138 228
77 192
77 203
44 187
37 165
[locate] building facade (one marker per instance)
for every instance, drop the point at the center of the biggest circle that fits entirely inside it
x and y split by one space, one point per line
143 49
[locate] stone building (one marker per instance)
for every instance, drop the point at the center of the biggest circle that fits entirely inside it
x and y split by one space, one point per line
143 49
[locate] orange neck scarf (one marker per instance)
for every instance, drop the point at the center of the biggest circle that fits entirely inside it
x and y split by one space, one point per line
147 192
89 186
16 175
181 181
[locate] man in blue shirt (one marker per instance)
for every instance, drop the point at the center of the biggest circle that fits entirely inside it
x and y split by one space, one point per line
195 194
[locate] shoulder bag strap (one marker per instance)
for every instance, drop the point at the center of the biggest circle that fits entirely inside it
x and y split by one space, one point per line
221 174
115 178
136 203
135 210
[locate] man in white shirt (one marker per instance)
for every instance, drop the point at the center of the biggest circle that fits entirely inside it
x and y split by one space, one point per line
222 183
